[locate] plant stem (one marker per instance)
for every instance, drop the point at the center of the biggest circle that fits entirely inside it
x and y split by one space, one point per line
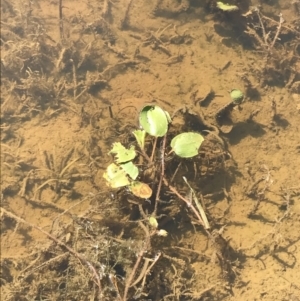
161 175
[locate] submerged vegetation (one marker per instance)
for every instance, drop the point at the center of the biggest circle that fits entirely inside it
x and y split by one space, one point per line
131 177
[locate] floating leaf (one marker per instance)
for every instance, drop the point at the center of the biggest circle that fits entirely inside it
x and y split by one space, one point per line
140 137
130 169
186 145
226 7
154 120
153 222
122 153
141 190
115 176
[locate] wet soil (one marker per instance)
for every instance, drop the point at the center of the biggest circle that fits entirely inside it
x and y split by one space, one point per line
71 88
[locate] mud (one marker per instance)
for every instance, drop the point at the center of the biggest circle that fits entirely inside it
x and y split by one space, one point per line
73 79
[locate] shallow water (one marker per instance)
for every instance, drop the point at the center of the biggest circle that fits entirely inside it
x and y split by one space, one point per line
68 92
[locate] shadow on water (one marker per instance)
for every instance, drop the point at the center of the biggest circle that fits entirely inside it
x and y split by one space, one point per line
242 130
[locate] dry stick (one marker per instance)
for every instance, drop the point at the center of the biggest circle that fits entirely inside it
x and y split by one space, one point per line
161 175
174 190
149 269
153 150
96 277
143 271
61 25
198 205
74 79
129 280
265 36
281 20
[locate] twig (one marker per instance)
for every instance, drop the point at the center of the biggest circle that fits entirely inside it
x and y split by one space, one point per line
153 149
265 36
281 20
61 25
157 256
140 255
199 206
174 190
96 277
188 203
74 79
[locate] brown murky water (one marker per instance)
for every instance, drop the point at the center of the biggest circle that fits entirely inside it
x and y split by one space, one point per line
68 92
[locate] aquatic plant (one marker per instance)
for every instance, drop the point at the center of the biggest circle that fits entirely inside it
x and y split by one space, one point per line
125 172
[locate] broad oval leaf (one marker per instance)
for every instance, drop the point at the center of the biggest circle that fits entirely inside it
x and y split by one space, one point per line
140 189
186 145
115 176
154 120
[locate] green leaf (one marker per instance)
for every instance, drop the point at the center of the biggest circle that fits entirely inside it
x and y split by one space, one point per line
186 145
115 176
130 169
154 120
227 7
153 222
122 153
237 96
140 137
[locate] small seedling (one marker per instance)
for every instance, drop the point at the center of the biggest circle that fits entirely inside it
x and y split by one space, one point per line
155 122
237 96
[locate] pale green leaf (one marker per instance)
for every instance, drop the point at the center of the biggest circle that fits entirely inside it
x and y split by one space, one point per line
227 7
186 145
153 222
130 169
154 120
140 137
115 176
122 153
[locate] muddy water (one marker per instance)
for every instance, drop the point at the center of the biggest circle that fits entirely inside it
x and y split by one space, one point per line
67 95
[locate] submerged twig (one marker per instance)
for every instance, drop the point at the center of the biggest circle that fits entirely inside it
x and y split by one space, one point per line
199 206
61 25
130 280
84 261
